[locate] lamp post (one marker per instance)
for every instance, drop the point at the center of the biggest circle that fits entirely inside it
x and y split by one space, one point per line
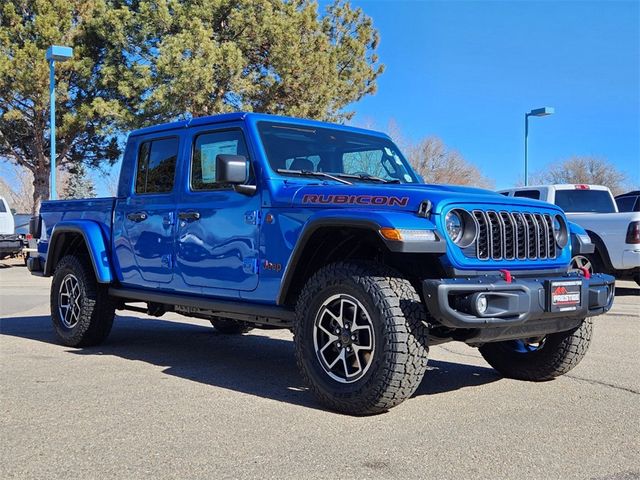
54 53
536 112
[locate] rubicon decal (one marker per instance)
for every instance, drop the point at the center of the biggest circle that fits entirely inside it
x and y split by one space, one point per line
356 200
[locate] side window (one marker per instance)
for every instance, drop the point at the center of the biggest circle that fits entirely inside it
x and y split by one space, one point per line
2 208
156 166
625 204
206 148
533 194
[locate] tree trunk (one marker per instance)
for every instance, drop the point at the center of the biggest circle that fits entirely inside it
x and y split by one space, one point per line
40 188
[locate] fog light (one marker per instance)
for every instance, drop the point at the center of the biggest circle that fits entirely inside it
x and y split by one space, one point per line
481 304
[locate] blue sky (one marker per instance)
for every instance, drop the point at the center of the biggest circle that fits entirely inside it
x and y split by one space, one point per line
468 71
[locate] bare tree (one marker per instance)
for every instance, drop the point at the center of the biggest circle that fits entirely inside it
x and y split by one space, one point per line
437 163
590 170
19 191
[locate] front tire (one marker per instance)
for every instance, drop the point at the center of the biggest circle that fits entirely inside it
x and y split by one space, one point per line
360 337
81 310
540 359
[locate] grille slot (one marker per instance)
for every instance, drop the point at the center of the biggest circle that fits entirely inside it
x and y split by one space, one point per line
514 236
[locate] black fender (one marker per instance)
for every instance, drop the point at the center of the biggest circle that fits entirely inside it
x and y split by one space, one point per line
315 224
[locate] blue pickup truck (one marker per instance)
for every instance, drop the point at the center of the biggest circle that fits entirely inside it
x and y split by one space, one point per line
257 221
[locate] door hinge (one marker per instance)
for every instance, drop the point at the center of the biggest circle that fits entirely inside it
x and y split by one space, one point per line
250 265
252 217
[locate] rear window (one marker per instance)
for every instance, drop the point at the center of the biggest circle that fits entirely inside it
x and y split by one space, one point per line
628 204
157 166
2 209
532 194
593 201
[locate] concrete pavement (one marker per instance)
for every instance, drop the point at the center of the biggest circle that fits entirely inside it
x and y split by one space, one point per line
171 398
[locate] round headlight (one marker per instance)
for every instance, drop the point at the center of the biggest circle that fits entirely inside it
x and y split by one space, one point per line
461 227
453 224
560 231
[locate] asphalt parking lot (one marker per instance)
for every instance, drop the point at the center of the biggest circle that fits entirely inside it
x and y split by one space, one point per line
171 398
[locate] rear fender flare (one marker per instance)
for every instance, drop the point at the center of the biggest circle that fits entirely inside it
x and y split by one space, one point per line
94 241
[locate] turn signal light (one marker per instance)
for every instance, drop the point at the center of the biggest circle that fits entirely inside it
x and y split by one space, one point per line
402 235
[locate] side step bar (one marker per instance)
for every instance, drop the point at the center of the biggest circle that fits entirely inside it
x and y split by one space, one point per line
250 312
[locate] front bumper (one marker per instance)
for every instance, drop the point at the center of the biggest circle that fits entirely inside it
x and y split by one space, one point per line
522 301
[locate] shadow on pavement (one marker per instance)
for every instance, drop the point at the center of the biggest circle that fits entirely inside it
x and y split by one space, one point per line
252 363
627 292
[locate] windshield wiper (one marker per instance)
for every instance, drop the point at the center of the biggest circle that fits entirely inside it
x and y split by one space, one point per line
366 176
309 173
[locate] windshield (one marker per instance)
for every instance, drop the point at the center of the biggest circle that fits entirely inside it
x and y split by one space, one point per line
576 201
314 149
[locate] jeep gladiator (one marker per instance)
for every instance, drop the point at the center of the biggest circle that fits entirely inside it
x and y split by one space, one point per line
257 221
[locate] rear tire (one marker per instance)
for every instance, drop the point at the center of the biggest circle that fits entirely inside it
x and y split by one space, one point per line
227 326
540 359
81 310
360 337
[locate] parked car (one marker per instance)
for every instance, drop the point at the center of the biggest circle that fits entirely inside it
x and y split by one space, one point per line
629 202
252 220
10 243
616 235
29 246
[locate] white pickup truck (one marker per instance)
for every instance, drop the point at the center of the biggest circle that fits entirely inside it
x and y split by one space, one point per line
10 243
615 235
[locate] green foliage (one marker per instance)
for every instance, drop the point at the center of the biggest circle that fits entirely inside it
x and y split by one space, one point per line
77 184
141 62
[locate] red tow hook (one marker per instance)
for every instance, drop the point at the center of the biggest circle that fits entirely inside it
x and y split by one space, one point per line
585 272
507 275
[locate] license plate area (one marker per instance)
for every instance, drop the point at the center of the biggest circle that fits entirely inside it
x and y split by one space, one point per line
564 295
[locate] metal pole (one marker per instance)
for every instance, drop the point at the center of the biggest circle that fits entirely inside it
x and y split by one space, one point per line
526 149
52 95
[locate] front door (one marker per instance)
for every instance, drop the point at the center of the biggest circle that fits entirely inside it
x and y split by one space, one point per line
217 228
144 223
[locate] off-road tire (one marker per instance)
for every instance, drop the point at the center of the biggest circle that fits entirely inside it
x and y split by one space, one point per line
230 327
401 335
97 309
558 355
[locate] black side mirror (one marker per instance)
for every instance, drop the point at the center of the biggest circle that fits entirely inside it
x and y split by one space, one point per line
234 170
231 169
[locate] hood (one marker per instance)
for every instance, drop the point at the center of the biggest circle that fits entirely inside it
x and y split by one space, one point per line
401 197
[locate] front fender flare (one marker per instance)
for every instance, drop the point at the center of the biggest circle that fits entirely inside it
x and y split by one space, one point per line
94 241
369 220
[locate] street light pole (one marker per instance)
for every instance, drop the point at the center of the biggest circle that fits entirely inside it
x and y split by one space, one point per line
536 112
54 52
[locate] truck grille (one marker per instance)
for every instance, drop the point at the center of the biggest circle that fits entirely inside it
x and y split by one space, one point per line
514 236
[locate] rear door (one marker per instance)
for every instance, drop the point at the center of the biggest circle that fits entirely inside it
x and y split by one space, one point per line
218 229
144 224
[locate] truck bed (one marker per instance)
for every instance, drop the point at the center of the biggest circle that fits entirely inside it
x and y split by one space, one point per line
99 210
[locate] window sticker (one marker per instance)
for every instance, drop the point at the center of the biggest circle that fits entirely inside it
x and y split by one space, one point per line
208 154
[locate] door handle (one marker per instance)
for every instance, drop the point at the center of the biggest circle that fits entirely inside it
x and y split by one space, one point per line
189 216
137 216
